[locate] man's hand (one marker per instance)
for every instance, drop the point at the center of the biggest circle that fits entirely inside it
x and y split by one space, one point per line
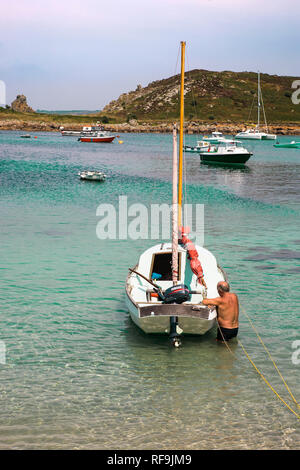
203 282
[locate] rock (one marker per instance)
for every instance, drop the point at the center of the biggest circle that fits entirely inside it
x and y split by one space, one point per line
20 105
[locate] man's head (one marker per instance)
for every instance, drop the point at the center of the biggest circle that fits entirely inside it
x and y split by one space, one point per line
223 287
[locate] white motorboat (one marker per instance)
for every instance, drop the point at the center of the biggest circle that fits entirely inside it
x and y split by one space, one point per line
165 289
257 133
86 131
92 175
232 153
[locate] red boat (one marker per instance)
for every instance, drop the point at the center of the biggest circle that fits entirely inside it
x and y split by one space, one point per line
97 137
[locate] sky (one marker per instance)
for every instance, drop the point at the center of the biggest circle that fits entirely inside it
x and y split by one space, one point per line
81 54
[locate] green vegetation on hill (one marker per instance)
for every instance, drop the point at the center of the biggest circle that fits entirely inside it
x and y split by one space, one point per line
218 96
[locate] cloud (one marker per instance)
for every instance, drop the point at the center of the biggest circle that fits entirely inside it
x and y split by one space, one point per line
98 49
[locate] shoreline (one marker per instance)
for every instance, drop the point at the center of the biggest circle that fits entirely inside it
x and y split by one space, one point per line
190 127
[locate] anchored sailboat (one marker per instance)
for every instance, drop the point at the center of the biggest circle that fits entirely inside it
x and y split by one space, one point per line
164 291
256 133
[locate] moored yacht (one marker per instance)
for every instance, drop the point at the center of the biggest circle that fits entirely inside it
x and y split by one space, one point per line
257 134
166 288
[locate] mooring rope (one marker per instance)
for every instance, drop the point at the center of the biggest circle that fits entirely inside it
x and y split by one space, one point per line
271 358
261 375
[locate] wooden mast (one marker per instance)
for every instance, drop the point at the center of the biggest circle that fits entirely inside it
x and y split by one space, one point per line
181 135
258 101
175 210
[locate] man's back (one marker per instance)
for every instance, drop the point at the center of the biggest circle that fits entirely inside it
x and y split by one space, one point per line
228 311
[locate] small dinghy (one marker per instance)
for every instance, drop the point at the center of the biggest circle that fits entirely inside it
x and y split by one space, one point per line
25 136
197 148
288 145
92 175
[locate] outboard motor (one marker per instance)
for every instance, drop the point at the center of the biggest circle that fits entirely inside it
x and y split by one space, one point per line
177 294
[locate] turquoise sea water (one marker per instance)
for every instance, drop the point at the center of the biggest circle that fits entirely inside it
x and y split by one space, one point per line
78 373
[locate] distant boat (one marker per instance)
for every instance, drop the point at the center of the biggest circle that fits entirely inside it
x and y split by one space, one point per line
257 134
86 130
231 153
216 138
25 136
70 133
92 175
288 145
203 146
98 137
200 146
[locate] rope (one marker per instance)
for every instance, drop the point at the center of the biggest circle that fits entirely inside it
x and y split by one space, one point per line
251 108
269 385
258 371
269 354
194 103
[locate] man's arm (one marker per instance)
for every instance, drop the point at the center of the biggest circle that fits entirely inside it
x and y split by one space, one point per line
216 301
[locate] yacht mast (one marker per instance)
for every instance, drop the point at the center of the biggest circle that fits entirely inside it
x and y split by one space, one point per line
258 101
175 210
181 134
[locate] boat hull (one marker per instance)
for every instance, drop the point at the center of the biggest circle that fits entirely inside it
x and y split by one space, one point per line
155 319
97 139
269 137
225 159
152 315
287 146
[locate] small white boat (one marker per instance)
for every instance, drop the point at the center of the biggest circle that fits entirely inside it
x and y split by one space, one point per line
152 313
92 175
232 153
86 130
25 136
199 147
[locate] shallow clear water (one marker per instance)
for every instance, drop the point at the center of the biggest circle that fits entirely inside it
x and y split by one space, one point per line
78 373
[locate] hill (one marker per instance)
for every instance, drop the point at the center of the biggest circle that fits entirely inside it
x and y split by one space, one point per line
209 96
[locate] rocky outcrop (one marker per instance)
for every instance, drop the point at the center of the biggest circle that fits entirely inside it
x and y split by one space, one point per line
20 105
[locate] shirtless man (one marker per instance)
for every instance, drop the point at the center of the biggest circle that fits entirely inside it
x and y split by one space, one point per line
228 312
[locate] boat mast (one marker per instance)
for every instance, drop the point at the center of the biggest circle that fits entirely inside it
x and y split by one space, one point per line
181 134
175 210
258 101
